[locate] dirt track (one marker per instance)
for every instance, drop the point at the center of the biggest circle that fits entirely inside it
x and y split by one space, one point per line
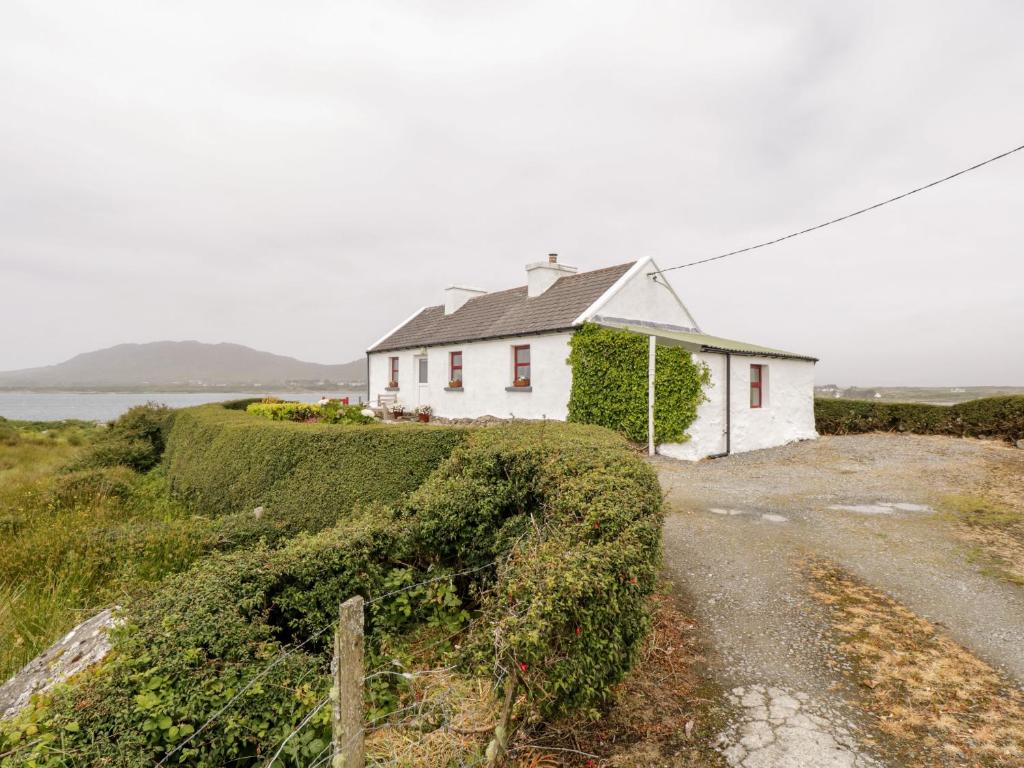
741 528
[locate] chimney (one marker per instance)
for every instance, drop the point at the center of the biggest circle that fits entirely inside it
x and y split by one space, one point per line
542 275
457 295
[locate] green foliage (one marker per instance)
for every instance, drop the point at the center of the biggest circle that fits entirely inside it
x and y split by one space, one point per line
331 413
242 404
574 519
609 385
135 439
8 433
559 525
306 476
986 417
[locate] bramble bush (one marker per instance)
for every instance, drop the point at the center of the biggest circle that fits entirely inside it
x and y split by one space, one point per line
609 384
559 522
1001 417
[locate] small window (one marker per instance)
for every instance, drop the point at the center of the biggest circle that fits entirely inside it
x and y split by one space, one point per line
422 370
393 371
757 386
455 369
521 365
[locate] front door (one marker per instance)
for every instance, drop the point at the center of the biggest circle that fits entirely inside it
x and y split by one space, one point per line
422 378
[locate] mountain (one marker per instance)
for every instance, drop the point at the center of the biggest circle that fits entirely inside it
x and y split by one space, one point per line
179 365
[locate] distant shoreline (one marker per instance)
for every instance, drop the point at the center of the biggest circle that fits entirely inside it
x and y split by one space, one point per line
115 390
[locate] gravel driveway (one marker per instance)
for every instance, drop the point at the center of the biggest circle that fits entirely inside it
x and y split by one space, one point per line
739 528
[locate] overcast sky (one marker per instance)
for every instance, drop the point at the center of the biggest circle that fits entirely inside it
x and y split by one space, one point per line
300 177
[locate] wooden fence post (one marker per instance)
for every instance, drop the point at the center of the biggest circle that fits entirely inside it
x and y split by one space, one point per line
347 694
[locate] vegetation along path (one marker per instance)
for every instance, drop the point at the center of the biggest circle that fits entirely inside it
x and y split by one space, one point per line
863 596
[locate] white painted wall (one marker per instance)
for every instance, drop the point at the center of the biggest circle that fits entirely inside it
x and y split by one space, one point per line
486 372
637 297
787 414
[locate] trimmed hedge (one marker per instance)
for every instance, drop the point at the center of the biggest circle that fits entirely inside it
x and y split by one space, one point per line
609 384
306 476
1001 417
562 521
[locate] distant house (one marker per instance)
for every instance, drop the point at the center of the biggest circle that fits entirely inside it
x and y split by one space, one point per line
504 354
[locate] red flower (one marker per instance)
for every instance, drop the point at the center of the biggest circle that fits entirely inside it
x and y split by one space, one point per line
578 630
523 666
633 581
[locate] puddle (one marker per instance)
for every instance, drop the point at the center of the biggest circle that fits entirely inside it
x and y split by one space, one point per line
882 507
720 511
774 518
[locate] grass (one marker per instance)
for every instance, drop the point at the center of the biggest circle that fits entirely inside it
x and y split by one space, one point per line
63 559
933 701
995 531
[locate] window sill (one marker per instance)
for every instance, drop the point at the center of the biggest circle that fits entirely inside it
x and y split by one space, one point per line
453 389
390 389
519 389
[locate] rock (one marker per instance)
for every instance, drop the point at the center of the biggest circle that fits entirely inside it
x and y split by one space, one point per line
1020 443
82 647
258 512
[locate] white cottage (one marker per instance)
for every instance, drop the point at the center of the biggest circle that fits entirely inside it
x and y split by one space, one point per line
505 354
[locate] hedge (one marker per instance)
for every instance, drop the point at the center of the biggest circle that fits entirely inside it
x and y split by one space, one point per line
999 417
561 524
305 476
330 413
609 384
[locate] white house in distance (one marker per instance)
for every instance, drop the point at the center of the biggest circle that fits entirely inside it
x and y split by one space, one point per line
505 354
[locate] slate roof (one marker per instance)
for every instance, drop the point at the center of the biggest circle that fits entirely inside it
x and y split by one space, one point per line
506 313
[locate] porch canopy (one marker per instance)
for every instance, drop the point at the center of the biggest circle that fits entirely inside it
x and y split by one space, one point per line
702 342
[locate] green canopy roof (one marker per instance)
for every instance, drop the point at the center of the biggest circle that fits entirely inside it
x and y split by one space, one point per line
701 342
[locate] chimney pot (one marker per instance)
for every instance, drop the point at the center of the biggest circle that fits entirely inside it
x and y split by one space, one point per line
552 258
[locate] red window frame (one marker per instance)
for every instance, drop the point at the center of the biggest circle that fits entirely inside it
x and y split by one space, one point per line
519 368
757 386
393 371
455 369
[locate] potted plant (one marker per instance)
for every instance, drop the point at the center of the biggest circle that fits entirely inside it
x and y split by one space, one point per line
521 383
397 410
392 385
455 384
423 413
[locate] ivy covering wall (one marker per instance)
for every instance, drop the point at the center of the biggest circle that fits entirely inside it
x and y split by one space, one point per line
609 384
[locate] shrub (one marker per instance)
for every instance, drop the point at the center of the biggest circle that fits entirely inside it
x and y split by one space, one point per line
987 417
136 439
609 384
569 513
89 486
306 476
575 520
242 404
8 433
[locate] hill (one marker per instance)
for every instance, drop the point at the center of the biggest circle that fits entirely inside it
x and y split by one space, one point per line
178 365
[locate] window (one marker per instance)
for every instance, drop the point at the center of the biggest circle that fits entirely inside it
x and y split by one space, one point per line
455 369
521 365
757 385
393 371
421 369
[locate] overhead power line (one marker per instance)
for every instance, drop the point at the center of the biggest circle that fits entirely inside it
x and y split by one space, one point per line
841 218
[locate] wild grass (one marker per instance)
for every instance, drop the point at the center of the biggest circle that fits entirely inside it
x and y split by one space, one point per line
62 557
995 531
934 702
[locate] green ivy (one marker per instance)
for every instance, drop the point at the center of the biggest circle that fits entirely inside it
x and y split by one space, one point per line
609 384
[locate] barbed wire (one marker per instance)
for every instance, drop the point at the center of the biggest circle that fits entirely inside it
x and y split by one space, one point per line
305 721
